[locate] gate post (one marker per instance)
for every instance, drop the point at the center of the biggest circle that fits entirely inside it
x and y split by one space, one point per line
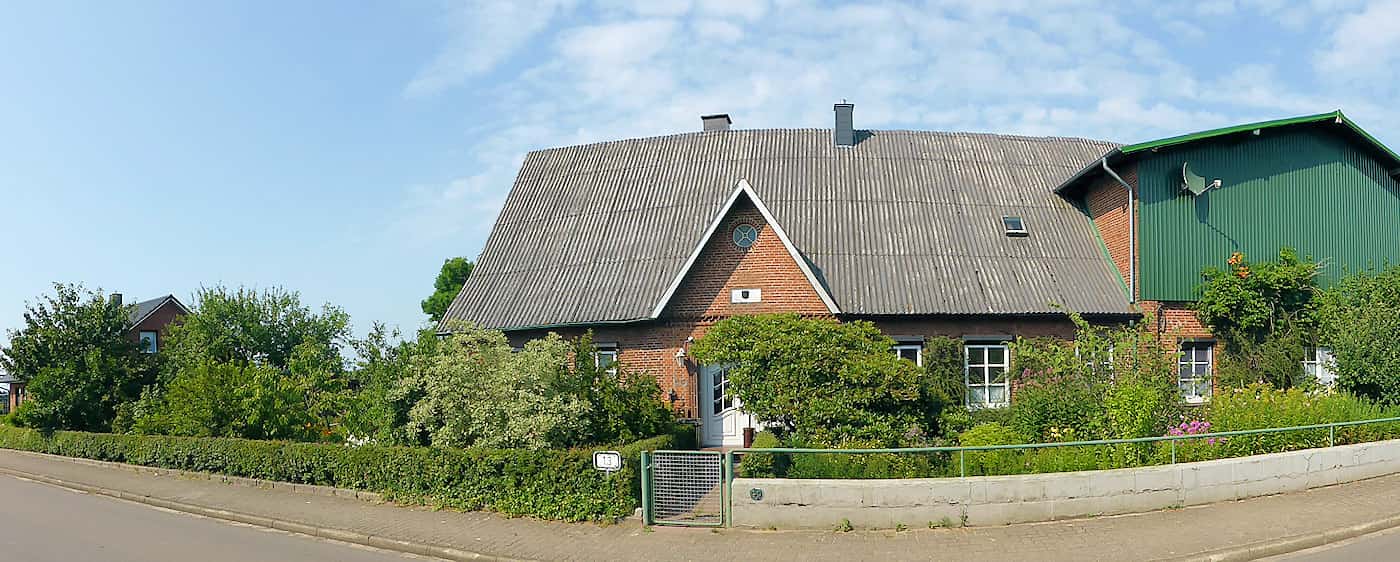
726 487
646 488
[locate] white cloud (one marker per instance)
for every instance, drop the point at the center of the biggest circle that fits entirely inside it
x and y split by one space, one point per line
617 44
747 10
482 34
1064 67
718 30
1365 44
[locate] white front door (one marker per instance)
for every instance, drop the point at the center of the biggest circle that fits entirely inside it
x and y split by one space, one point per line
724 418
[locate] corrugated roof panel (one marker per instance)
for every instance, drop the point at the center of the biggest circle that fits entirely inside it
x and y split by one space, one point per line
902 223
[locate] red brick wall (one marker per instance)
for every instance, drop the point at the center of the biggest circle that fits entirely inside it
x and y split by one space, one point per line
1107 203
16 393
974 326
1176 319
723 266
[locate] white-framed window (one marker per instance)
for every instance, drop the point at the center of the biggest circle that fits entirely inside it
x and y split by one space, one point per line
150 341
911 349
606 359
984 369
1318 364
720 398
1194 369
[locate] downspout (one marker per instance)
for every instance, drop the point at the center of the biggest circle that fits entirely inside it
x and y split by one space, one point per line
1132 231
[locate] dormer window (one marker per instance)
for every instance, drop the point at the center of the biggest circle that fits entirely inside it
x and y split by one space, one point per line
1015 226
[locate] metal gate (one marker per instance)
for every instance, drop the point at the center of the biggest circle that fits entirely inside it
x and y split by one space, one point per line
684 488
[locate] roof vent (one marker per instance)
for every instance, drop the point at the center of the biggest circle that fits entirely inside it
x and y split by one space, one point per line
716 122
845 134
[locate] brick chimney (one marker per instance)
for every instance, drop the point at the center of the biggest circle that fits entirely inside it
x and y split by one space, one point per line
716 122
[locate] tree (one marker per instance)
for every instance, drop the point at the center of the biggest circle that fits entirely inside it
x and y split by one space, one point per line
449 282
257 365
75 355
821 382
388 377
248 326
1358 319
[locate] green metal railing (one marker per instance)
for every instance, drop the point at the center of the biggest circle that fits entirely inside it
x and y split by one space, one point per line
729 469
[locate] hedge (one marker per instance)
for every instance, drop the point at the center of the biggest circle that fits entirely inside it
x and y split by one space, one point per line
549 484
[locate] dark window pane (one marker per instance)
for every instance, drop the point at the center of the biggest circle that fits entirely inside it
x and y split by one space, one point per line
996 355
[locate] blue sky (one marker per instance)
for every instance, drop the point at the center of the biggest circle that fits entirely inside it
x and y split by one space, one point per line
344 149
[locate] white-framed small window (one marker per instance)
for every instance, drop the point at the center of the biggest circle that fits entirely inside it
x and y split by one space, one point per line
911 349
1194 369
606 359
150 341
1319 364
984 370
1014 225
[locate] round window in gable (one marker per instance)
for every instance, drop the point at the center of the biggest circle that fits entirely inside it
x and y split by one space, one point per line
745 235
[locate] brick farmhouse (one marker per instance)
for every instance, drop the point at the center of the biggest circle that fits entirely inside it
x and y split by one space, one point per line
984 237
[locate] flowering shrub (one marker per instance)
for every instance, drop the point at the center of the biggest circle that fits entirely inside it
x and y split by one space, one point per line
1263 314
1192 427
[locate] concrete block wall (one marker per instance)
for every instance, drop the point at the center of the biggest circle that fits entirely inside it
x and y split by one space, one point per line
1000 500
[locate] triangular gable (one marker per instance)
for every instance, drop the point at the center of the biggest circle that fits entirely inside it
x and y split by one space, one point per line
141 315
745 189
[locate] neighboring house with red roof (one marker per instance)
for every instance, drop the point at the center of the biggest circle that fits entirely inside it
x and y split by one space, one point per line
150 320
977 236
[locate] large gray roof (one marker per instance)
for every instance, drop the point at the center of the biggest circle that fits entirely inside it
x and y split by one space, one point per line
904 222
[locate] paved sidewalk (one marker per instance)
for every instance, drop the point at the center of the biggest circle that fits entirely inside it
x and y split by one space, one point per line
1159 535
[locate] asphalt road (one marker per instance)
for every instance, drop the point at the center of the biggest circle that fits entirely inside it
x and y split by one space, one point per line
42 523
1384 545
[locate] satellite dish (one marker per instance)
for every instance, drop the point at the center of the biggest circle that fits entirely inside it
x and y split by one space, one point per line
1193 183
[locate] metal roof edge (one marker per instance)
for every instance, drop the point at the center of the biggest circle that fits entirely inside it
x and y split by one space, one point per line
441 332
960 315
1088 170
1233 129
1152 145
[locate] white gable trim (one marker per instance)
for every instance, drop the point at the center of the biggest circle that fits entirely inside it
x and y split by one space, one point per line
167 299
745 189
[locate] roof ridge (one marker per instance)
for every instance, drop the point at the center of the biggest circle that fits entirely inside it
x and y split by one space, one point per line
820 129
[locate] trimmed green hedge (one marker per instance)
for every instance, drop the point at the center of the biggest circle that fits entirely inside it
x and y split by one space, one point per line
550 484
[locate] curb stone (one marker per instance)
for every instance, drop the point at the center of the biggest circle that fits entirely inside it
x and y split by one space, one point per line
339 535
1264 549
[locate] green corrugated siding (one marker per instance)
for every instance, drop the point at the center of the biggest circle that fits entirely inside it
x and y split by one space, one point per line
1305 188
